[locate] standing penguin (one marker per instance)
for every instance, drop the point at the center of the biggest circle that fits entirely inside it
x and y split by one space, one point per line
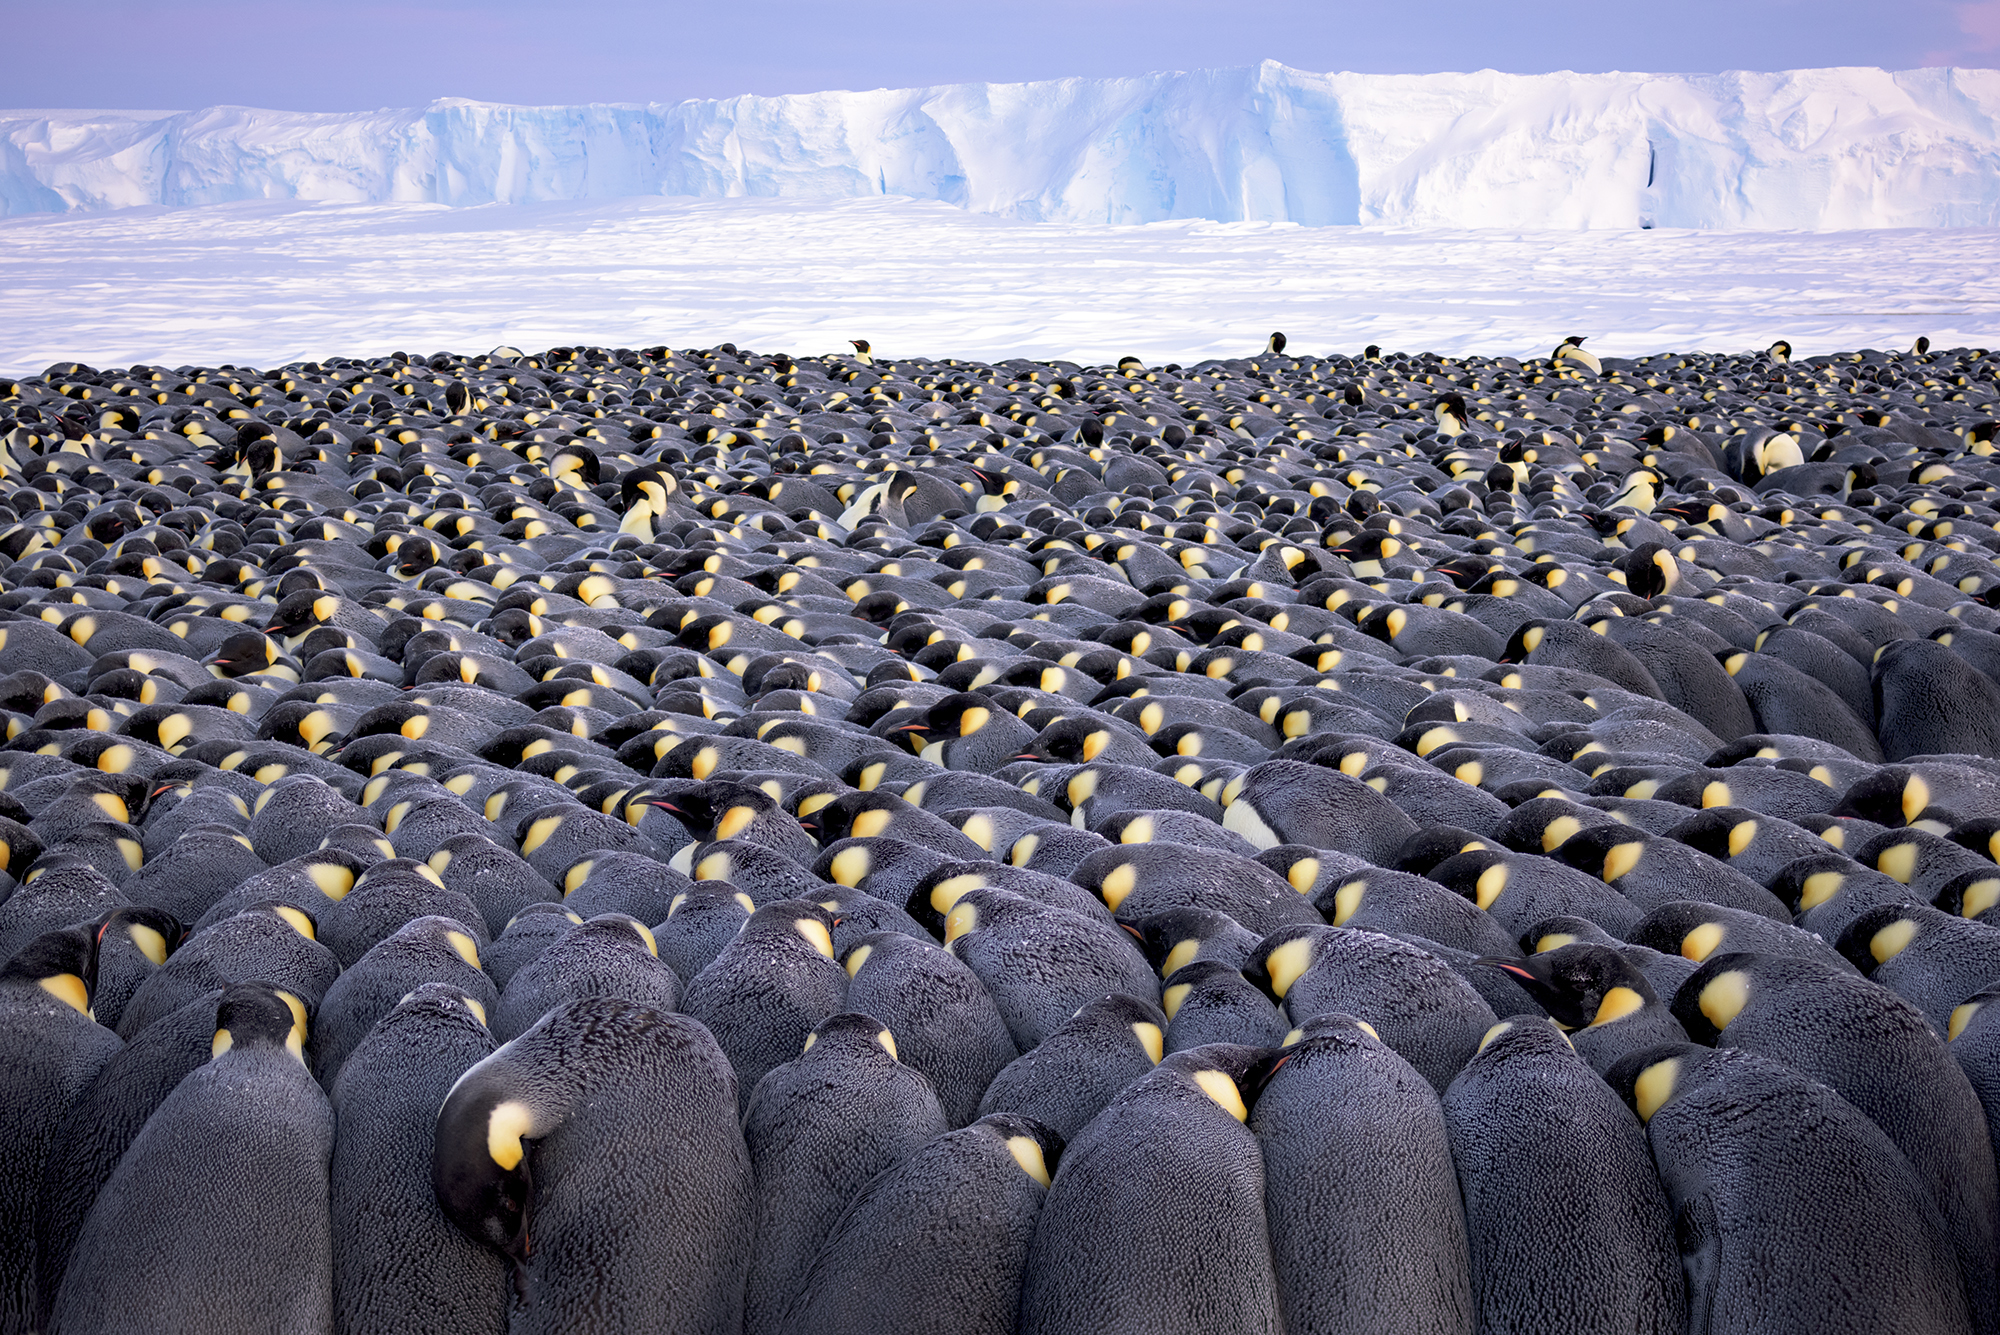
426 950
1155 1221
818 1128
228 1181
1366 1225
1875 1050
945 1023
938 1243
600 1152
398 1264
50 1051
768 988
1568 1226
1075 1073
1746 1148
1040 963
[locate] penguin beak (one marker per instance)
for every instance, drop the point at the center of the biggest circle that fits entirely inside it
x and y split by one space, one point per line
1517 971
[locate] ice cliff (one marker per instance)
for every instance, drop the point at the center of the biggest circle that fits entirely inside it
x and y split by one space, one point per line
1824 148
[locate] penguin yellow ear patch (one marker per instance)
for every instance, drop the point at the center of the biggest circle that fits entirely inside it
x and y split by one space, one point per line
1725 997
814 931
1287 962
506 1126
1151 1039
1892 940
1028 1154
1618 1003
68 989
1218 1086
1655 1086
1700 943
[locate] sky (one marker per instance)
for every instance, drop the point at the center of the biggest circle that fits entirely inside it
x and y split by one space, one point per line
331 55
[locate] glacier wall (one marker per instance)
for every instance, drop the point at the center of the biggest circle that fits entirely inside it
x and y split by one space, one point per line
1815 149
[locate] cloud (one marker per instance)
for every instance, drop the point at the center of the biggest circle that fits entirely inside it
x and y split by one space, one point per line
1979 23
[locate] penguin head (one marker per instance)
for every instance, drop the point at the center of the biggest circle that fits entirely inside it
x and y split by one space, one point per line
652 484
1780 352
1283 957
259 1015
1277 344
1069 741
299 612
1172 938
1580 985
1892 796
1320 1034
852 1034
1651 570
1651 1077
792 921
713 810
482 1168
1716 993
860 815
1036 1148
1881 934
1452 415
63 965
1231 1075
155 933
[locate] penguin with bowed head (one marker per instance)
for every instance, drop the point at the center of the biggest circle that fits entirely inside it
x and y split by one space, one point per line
1155 1220
1748 1150
818 1128
938 1243
600 1153
769 988
398 1263
1567 1225
50 1051
228 1183
1367 1230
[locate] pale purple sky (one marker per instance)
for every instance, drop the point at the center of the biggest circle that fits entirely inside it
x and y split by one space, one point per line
333 56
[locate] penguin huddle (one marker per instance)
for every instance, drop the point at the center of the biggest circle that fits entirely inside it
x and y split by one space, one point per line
713 841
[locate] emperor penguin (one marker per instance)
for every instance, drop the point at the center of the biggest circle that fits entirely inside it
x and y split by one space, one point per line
862 352
600 1152
1172 1171
1568 1225
1569 355
936 1244
228 1181
1452 415
818 1128
1367 1230
398 1263
1276 347
55 1049
1729 1135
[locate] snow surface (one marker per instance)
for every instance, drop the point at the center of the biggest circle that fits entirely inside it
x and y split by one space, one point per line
266 283
1825 148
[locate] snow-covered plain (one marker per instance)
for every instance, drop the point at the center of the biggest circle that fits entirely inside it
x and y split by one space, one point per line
265 283
1825 148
